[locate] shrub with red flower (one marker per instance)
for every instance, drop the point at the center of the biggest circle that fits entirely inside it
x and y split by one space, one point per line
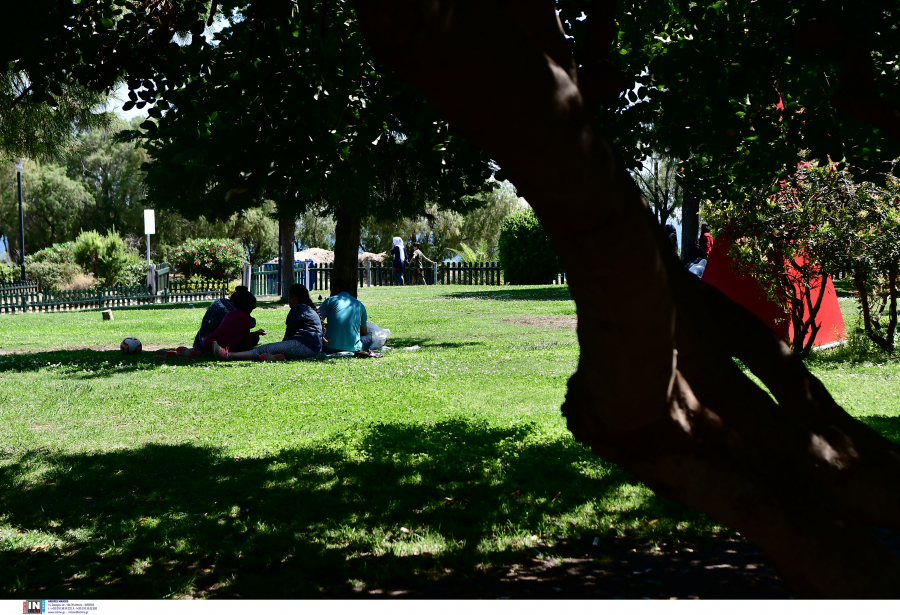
56 254
209 258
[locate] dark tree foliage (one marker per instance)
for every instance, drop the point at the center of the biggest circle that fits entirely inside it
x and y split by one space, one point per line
286 105
735 89
292 108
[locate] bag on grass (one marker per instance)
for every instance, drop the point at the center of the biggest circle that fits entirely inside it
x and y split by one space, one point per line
379 335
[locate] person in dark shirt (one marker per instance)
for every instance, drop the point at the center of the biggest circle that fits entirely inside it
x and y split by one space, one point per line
706 241
672 234
302 333
212 318
234 331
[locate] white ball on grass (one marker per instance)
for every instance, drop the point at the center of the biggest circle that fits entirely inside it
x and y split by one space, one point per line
131 345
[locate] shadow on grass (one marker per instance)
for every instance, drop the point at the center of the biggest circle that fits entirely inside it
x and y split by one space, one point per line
92 364
844 288
887 426
98 363
506 293
307 522
399 342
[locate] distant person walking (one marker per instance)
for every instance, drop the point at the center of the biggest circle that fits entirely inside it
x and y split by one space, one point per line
706 241
418 265
399 254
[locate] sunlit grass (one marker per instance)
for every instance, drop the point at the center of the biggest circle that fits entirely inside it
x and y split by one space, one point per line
131 476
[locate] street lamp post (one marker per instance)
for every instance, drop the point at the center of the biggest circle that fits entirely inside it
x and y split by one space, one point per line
20 164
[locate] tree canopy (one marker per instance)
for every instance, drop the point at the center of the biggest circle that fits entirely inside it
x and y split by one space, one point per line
734 90
289 106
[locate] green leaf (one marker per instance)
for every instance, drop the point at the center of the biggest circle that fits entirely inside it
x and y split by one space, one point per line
108 23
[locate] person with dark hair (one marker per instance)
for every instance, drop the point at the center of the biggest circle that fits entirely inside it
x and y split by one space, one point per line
211 321
302 333
346 319
706 240
399 254
418 265
672 234
234 330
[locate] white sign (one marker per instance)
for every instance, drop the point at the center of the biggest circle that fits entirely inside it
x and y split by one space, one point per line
149 222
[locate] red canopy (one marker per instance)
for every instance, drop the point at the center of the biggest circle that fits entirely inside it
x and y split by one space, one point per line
746 291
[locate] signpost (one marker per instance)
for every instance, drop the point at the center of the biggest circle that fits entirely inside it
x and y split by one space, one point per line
149 229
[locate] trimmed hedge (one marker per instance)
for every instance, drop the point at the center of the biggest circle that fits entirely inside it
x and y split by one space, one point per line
526 253
209 258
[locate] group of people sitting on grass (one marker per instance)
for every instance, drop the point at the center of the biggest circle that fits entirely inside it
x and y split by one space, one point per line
226 330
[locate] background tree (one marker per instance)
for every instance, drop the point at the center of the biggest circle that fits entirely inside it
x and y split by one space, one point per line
480 227
45 129
53 203
791 470
111 171
324 127
315 229
441 231
526 252
657 180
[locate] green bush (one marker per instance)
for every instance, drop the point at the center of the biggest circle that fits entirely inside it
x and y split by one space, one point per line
56 276
209 258
9 272
107 257
57 253
133 273
526 254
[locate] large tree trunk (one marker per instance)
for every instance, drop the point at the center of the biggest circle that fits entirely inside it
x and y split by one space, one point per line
795 474
286 232
346 246
690 227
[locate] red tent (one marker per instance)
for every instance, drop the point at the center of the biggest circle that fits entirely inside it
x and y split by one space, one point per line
746 291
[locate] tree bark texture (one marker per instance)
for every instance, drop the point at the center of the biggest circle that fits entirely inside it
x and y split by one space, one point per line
690 227
656 389
286 250
346 246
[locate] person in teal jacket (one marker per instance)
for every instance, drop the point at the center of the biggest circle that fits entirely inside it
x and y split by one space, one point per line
345 319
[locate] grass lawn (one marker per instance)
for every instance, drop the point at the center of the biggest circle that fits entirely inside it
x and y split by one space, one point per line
138 477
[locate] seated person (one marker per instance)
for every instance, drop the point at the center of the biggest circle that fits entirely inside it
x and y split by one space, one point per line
345 317
234 331
302 333
213 318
